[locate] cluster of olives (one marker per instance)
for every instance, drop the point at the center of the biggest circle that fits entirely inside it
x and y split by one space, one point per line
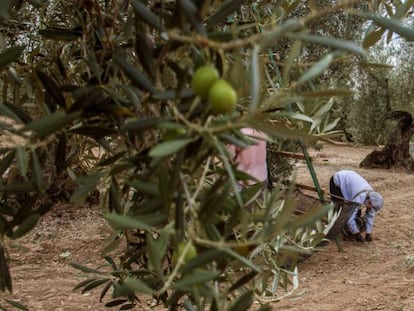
220 94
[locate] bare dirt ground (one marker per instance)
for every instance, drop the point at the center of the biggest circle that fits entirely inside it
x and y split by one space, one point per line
370 276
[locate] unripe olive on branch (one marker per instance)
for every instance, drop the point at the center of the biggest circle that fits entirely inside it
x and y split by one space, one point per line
171 134
203 79
222 97
191 252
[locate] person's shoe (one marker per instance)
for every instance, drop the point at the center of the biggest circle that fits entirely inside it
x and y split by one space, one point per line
359 237
368 237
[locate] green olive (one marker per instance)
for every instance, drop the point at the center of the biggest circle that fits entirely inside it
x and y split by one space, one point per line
222 97
191 252
175 133
203 79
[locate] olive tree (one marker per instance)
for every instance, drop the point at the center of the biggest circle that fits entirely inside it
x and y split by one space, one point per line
377 82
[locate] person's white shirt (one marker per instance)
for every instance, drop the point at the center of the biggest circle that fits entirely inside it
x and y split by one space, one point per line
353 186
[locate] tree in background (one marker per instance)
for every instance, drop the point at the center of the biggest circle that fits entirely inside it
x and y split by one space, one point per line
383 86
366 116
106 96
396 152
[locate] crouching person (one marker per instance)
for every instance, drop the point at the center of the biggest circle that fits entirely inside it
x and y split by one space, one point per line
347 186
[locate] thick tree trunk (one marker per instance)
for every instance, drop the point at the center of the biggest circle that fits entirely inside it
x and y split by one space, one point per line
396 153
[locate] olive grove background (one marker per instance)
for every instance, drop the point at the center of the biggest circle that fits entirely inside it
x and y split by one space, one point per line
96 106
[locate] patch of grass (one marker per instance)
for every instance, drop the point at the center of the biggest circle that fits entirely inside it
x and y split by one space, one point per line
400 305
409 262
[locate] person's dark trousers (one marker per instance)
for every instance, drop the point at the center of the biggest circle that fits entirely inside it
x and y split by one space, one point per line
338 200
336 193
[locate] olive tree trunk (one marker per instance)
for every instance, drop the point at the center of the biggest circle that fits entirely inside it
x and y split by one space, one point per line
396 152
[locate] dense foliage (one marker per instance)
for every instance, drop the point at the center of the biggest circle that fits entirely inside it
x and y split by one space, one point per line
97 95
381 89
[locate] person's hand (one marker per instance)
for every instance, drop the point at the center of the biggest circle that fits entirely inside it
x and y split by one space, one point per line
368 237
359 237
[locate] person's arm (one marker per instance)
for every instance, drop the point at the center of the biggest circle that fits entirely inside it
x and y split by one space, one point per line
351 221
369 220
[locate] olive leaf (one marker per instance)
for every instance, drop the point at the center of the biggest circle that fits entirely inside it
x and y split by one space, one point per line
63 34
393 25
10 54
